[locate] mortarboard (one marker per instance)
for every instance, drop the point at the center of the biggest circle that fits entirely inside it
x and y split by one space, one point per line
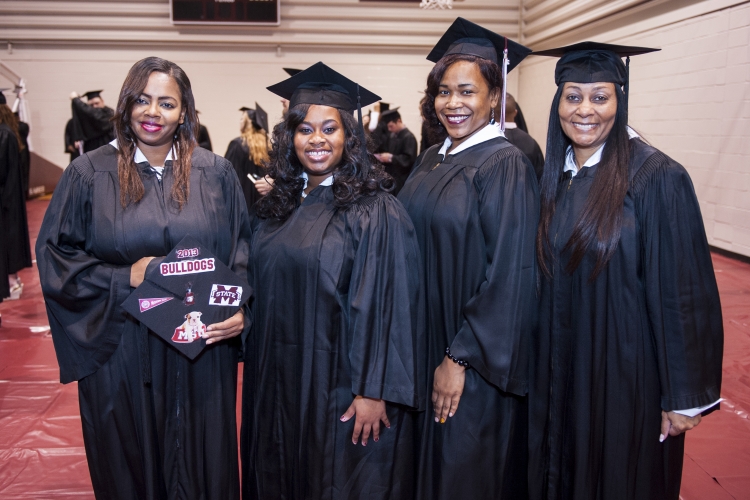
291 71
589 62
92 94
3 100
323 86
390 113
258 116
465 37
184 293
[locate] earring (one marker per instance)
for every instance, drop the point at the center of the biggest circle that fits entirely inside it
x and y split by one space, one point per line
492 116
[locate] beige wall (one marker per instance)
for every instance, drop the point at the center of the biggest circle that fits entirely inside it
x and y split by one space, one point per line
691 100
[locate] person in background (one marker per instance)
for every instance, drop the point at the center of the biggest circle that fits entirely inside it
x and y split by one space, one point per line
400 149
629 348
474 201
156 424
71 145
15 250
375 128
248 154
92 121
332 359
204 140
519 138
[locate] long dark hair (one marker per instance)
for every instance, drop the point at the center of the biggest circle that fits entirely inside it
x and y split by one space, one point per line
490 71
355 176
131 184
8 118
600 222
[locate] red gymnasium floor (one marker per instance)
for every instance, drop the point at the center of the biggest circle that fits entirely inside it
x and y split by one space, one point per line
41 447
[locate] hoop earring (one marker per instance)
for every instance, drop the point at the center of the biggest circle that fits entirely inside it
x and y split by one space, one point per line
492 116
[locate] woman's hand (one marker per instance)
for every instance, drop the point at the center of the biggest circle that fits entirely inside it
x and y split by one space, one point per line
226 329
369 413
264 185
674 424
138 271
447 389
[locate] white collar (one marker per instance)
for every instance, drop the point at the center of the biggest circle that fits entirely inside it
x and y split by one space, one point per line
328 181
510 125
490 131
570 158
139 157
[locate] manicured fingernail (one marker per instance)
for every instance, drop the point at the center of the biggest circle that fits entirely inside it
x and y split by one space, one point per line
376 439
437 419
450 414
364 443
442 420
662 437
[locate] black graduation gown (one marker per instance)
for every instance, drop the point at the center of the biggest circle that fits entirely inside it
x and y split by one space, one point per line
336 314
645 336
70 146
23 132
92 125
528 146
15 233
403 147
156 425
476 215
239 155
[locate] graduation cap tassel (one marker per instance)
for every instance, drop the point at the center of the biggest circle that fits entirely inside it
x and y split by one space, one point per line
505 86
362 137
626 90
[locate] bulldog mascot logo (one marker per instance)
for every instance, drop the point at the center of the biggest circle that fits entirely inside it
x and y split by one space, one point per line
191 330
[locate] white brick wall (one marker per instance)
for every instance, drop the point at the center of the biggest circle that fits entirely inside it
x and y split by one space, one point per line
692 101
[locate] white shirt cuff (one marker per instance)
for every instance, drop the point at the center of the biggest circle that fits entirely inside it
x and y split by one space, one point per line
696 411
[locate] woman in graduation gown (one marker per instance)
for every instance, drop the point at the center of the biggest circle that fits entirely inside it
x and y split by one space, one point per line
156 424
248 153
332 358
629 349
14 230
474 202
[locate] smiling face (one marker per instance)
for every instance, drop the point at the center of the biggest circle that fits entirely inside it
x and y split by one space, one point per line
587 115
157 113
319 142
464 101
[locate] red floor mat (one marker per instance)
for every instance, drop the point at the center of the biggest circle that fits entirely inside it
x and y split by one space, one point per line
41 446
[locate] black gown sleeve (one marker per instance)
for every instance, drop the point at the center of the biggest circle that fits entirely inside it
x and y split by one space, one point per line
682 297
383 312
90 122
236 157
239 221
500 317
82 293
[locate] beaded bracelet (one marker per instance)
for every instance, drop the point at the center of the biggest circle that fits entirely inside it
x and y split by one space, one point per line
460 362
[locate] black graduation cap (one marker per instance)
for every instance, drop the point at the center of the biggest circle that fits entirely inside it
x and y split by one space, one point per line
390 113
465 37
258 116
589 62
292 71
3 100
93 93
384 106
187 291
321 85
